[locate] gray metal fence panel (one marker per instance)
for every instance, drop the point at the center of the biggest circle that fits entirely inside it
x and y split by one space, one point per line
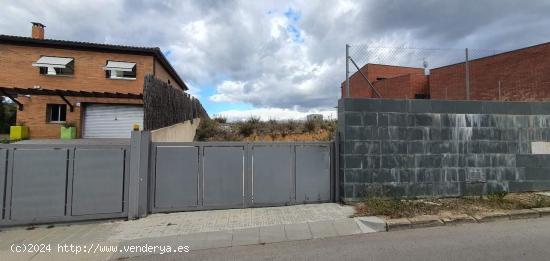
98 181
313 173
176 177
3 171
272 180
39 183
239 174
223 176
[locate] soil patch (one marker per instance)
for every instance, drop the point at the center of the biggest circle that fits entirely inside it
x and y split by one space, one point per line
405 208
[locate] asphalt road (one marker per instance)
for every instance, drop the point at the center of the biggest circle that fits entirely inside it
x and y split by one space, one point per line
504 240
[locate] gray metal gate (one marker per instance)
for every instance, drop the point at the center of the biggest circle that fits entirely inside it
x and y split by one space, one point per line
216 175
3 169
43 183
47 183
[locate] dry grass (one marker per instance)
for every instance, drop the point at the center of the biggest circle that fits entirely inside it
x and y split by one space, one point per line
321 135
395 208
255 130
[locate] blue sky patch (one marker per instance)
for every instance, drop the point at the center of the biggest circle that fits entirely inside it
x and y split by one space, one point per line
217 107
293 17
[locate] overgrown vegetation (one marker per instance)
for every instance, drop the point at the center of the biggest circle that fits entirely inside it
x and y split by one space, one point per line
220 119
253 129
397 208
249 126
69 124
8 111
312 125
207 128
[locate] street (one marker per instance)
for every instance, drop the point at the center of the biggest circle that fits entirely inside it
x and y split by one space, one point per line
527 239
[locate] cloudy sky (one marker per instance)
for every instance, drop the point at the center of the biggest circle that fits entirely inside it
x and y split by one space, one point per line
279 59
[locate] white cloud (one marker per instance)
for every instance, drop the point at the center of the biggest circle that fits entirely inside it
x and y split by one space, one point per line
228 87
250 52
275 113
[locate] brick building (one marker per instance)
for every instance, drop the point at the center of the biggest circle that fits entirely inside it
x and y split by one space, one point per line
522 74
391 82
98 87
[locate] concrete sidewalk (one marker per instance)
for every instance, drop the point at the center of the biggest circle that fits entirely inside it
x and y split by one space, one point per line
196 230
525 239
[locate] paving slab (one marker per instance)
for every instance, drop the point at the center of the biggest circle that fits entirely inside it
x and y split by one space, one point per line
398 224
455 219
347 226
299 231
218 239
425 221
493 216
371 224
70 256
8 255
272 234
323 229
523 213
150 246
158 225
198 230
195 241
246 236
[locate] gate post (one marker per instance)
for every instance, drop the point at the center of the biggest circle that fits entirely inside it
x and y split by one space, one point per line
139 170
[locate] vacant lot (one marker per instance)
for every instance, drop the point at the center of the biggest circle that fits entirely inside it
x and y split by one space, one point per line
218 129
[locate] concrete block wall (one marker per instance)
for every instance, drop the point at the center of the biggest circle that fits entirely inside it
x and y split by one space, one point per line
425 148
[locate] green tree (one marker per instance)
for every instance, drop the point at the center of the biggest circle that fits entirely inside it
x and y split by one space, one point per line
8 112
2 115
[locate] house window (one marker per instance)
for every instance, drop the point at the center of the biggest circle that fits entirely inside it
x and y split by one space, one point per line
57 112
120 70
51 65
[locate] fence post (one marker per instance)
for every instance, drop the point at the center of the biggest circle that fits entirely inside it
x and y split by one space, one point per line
467 72
499 94
347 70
336 167
139 171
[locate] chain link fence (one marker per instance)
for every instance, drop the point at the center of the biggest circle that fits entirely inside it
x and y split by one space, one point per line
450 74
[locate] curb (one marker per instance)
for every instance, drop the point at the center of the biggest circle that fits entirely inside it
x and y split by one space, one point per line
435 221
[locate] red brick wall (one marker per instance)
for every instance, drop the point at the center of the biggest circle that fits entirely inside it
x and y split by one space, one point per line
419 85
397 87
524 75
34 115
163 75
402 87
359 88
16 70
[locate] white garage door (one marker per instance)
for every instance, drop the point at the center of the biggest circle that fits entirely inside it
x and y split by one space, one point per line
111 121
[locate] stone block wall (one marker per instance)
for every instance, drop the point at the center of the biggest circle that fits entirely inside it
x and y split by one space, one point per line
425 148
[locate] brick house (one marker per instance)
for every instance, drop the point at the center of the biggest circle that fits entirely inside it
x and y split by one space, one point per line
522 74
98 87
